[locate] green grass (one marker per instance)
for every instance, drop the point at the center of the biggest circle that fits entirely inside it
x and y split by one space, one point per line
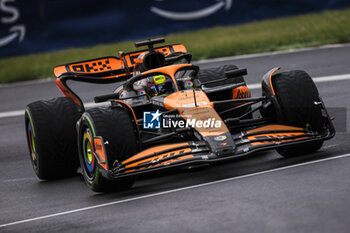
269 35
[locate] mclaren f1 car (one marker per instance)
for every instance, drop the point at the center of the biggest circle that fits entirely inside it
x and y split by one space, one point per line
167 113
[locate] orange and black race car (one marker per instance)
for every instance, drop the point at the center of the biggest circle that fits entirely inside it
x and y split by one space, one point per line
167 113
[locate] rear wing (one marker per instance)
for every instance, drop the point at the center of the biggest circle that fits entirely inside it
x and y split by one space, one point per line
100 67
104 70
111 67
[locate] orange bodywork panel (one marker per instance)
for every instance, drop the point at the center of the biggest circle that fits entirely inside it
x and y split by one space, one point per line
279 136
130 108
158 157
169 70
66 92
112 63
274 71
241 92
91 67
184 102
166 50
274 127
60 70
99 149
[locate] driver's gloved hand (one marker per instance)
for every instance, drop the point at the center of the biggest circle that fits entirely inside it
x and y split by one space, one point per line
149 91
168 87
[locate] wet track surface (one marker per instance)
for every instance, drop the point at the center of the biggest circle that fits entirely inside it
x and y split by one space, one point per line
263 193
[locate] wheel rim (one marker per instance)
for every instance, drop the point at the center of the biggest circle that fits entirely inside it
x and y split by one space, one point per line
88 157
31 143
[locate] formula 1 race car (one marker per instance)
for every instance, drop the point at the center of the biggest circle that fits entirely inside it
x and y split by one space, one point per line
167 113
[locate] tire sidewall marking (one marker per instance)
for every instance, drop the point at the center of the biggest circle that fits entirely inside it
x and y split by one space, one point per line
87 121
35 162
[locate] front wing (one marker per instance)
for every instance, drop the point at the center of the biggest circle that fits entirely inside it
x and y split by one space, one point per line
198 152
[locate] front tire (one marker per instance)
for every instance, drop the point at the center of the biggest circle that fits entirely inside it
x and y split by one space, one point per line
297 97
113 124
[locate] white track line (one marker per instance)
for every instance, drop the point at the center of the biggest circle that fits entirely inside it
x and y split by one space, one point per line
169 191
18 180
12 113
251 86
21 112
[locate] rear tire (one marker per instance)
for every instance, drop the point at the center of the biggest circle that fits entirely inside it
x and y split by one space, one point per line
52 138
113 124
296 96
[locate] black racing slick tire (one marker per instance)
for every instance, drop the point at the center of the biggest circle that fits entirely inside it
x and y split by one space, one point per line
116 128
52 138
297 97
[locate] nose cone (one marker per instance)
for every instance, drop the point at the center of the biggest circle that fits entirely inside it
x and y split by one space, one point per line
185 99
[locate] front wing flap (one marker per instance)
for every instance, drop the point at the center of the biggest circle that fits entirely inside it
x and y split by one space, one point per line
195 153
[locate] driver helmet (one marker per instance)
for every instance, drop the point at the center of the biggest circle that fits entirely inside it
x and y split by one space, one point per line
153 85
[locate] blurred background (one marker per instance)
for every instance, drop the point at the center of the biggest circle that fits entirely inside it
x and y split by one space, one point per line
211 28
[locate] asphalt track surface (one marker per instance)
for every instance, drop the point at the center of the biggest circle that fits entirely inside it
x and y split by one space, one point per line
263 193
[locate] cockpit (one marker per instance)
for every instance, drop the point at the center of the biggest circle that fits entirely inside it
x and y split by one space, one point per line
151 84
